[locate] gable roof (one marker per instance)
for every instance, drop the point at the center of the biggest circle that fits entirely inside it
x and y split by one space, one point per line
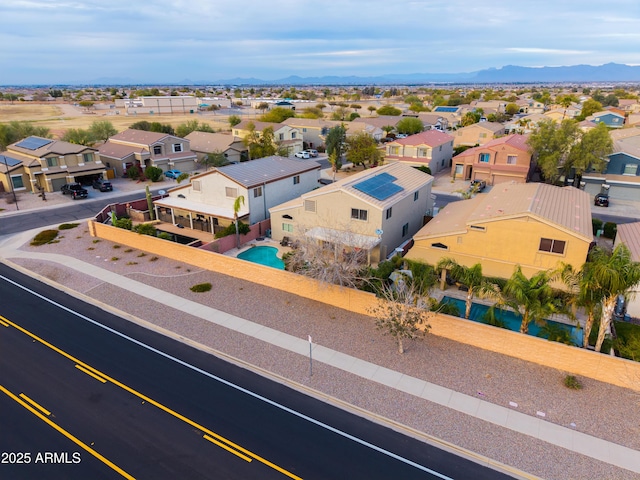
57 147
139 137
210 142
629 234
380 121
119 150
265 170
493 127
628 145
260 126
515 140
310 122
433 138
566 208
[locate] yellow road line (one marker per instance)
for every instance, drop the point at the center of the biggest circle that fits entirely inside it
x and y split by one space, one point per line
36 404
66 434
153 402
3 324
90 373
228 449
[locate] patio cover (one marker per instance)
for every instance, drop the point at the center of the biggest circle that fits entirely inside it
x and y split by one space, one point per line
196 207
355 240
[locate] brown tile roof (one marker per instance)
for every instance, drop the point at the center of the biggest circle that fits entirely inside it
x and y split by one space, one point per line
433 138
118 150
211 142
57 147
260 126
516 140
139 137
629 234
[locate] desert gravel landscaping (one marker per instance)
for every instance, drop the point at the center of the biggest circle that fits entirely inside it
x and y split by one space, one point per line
599 409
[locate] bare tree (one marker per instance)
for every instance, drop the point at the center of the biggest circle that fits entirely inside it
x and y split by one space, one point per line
400 313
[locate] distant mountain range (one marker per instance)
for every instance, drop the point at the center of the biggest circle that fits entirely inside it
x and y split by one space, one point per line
610 73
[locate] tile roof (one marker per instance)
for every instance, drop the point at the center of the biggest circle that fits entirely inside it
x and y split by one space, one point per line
118 150
628 145
265 170
58 147
515 140
629 234
567 208
433 138
140 137
260 126
210 142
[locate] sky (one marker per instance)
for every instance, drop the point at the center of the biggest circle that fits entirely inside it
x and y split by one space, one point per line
169 41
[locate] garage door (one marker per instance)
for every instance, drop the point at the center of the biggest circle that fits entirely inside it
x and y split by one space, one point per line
623 192
57 183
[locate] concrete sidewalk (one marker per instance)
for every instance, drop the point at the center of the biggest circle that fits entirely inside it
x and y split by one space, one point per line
508 418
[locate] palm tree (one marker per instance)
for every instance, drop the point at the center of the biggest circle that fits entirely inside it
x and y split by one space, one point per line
613 274
471 277
533 298
239 201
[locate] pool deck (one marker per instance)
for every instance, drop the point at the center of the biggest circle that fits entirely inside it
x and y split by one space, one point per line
264 242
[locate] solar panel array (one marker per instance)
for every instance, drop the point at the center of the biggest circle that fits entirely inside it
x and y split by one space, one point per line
8 161
33 143
379 187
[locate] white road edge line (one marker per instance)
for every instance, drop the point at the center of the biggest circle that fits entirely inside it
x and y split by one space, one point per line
233 385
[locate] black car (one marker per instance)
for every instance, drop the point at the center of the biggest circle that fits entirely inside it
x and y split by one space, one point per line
601 200
477 185
75 190
102 185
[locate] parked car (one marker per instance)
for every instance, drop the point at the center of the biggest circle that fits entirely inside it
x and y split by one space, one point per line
102 185
312 152
75 190
172 173
601 200
477 185
302 154
402 135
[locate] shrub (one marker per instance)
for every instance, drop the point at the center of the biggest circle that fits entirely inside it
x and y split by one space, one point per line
243 228
153 173
201 287
570 381
610 230
165 236
45 236
133 172
117 246
145 229
182 176
123 222
68 226
153 259
115 259
423 168
597 225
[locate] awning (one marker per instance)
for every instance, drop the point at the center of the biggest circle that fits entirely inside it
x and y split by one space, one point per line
355 240
196 207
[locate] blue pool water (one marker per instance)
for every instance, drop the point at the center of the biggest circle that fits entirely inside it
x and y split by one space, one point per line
511 320
264 256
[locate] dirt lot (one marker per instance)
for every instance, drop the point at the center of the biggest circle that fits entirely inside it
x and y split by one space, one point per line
60 117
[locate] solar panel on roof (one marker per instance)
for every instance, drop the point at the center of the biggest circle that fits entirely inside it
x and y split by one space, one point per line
9 162
33 143
379 187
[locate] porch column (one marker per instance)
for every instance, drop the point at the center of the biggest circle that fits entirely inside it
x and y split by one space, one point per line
191 220
173 217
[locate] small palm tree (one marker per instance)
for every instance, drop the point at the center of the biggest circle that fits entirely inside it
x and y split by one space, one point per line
239 201
471 277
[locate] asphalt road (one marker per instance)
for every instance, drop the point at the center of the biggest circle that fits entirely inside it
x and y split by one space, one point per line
120 409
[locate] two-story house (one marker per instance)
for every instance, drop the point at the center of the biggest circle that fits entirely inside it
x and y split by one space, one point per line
478 133
142 148
37 163
534 225
205 143
284 136
206 203
432 149
504 159
609 118
313 130
376 210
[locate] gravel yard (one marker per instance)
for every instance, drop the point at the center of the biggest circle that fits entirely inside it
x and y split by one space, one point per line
598 409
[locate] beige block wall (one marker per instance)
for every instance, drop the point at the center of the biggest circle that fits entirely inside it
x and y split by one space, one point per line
577 361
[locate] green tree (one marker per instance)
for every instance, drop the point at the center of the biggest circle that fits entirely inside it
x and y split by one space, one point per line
214 159
17 130
237 204
334 143
153 173
533 298
551 143
340 114
277 115
589 107
86 104
566 101
78 136
471 277
263 106
389 110
234 120
185 129
589 152
101 130
363 149
260 144
470 118
410 125
371 109
613 274
511 109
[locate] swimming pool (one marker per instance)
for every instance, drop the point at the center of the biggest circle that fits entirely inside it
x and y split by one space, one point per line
512 320
264 256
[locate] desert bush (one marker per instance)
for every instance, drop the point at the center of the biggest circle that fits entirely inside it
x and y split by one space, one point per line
153 173
68 226
123 222
45 236
201 287
570 381
145 229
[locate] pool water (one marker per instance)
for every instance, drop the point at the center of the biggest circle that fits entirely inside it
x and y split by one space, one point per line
511 320
264 256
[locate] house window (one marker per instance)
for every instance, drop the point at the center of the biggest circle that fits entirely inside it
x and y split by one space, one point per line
310 206
630 169
17 182
87 157
552 246
52 161
440 148
231 192
281 136
484 158
177 147
439 245
394 150
358 214
257 192
157 149
293 135
287 227
483 135
296 180
196 186
416 195
304 130
422 152
512 159
405 230
389 212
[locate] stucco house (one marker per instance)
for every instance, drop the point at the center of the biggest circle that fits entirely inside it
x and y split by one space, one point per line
478 133
285 136
37 163
139 147
609 118
313 130
629 235
533 225
377 210
204 143
206 203
505 159
432 148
